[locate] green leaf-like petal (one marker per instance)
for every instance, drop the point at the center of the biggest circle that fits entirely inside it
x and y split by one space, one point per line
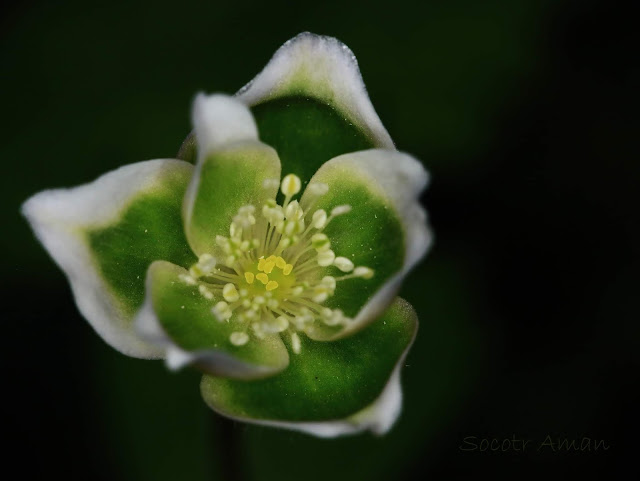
229 178
324 69
306 133
230 173
311 105
178 317
330 388
386 229
105 234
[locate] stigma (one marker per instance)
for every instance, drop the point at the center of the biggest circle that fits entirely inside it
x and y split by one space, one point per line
269 275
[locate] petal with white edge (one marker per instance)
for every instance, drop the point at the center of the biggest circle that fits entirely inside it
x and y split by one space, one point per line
330 388
385 230
177 317
104 235
322 68
231 170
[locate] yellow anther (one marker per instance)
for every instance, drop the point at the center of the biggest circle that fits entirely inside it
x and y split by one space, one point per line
271 258
280 263
291 185
286 270
268 267
249 277
261 263
271 285
262 277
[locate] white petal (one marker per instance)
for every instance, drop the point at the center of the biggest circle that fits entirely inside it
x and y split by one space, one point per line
221 119
322 68
58 217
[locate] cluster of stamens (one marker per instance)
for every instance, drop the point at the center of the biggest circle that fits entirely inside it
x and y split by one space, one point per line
266 276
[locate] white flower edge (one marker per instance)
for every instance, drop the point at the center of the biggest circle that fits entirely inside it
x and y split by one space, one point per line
379 417
322 68
219 121
212 361
58 217
400 178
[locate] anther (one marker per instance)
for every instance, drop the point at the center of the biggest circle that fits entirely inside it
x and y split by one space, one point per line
363 272
319 219
341 209
291 185
344 264
320 242
230 293
239 338
325 258
295 343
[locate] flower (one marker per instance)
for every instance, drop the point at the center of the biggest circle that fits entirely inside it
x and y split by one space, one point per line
273 263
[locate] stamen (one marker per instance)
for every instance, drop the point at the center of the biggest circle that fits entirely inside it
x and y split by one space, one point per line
239 338
288 254
363 272
230 293
295 343
344 264
291 185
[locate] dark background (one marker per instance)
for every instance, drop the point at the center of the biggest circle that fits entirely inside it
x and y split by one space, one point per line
525 114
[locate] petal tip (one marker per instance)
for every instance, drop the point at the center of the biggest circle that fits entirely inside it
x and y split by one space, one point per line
322 68
220 119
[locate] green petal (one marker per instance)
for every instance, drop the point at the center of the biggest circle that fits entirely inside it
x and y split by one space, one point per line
227 179
330 388
324 69
306 133
178 316
105 234
311 105
386 229
231 169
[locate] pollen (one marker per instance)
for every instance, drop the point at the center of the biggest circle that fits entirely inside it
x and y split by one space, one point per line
262 277
285 249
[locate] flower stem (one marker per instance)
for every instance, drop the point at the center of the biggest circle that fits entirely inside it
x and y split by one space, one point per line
229 441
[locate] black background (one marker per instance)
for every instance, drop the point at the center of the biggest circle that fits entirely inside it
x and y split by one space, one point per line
525 114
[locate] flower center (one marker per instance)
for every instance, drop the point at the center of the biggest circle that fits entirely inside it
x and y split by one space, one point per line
269 270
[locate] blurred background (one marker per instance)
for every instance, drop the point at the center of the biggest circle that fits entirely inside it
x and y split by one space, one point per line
524 112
